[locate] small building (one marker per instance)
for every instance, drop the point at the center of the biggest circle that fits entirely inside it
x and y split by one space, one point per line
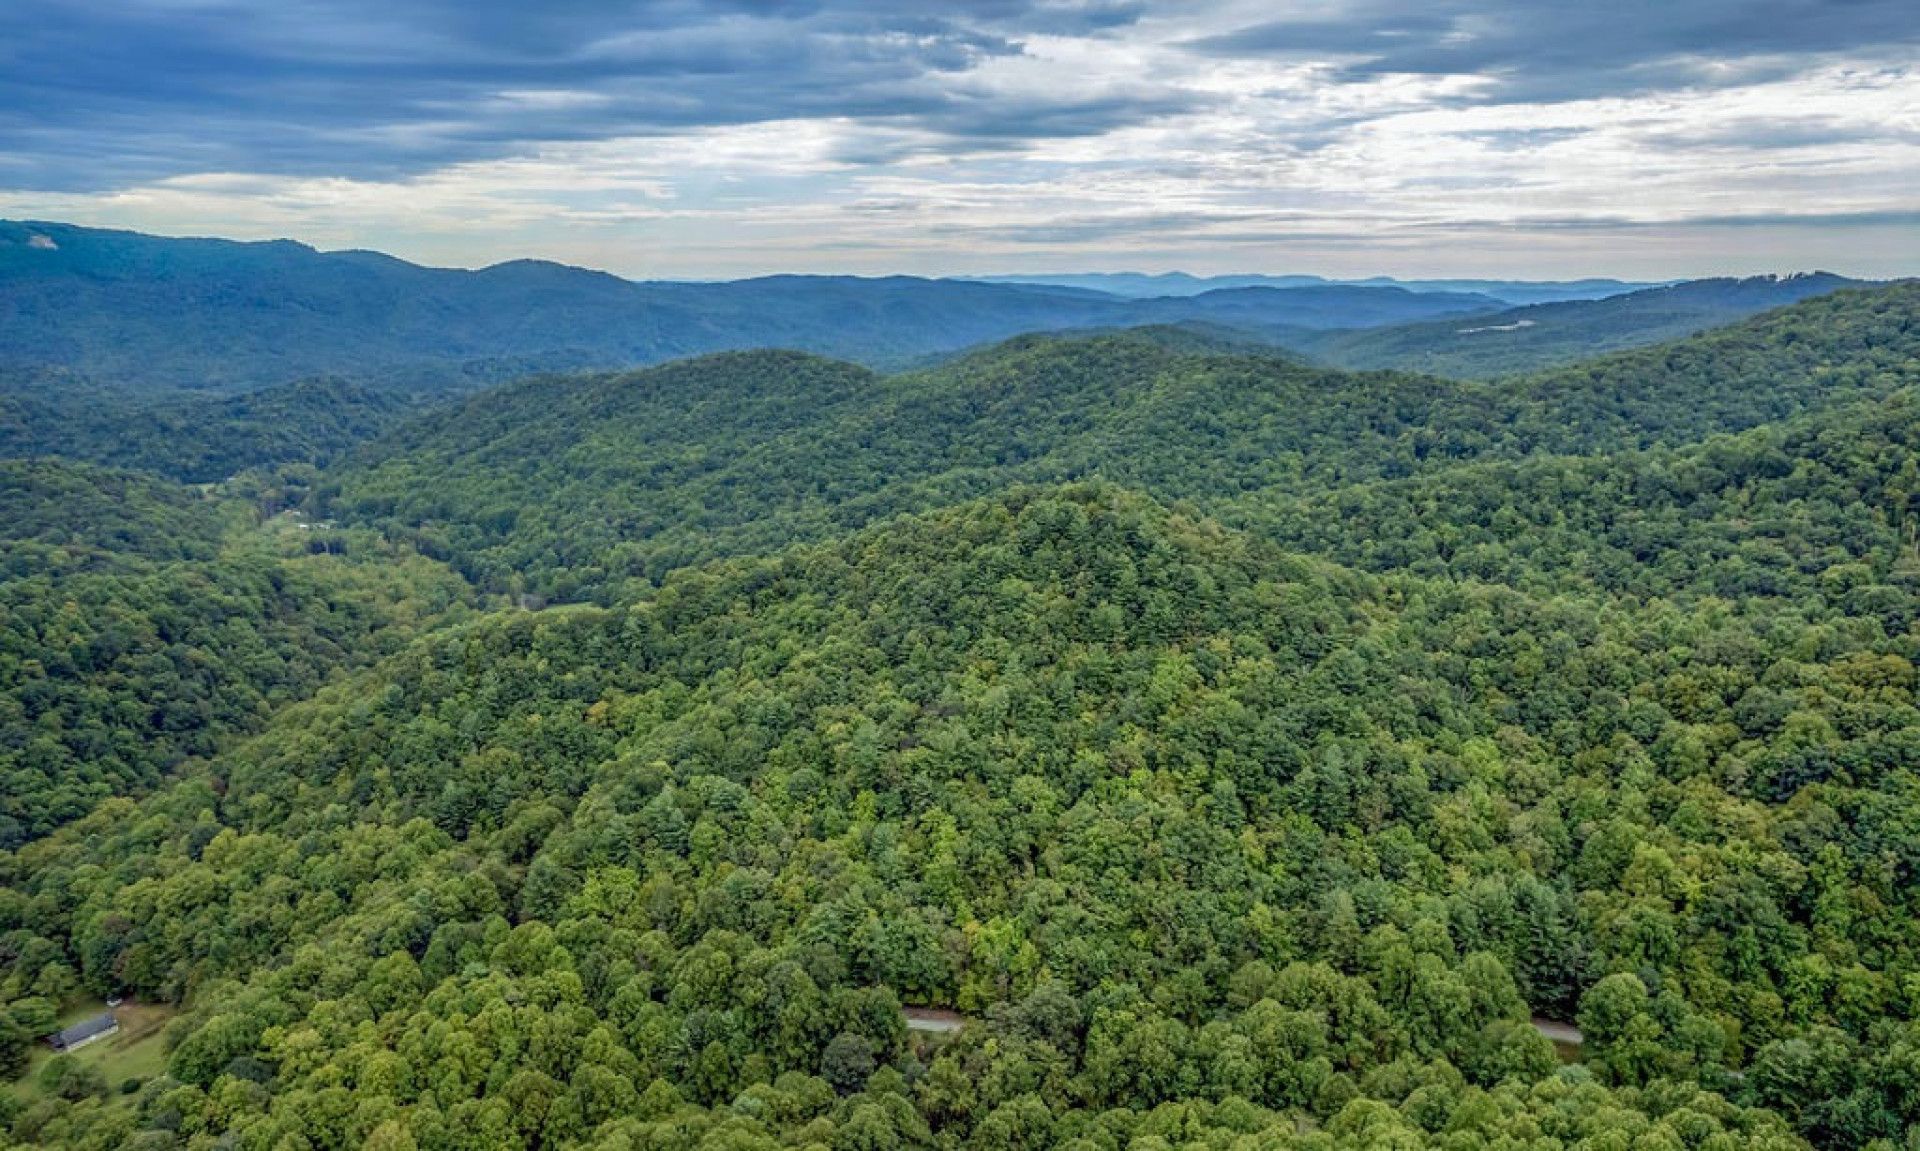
934 1020
84 1032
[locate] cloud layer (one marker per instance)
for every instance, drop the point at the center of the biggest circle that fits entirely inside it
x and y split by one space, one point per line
717 137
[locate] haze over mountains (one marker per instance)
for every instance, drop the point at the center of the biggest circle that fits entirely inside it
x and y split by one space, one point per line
1138 285
1540 335
150 314
217 314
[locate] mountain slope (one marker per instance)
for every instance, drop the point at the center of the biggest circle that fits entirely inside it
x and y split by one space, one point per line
1212 841
572 486
194 438
1542 335
520 485
1270 311
142 623
1181 823
1817 512
1181 284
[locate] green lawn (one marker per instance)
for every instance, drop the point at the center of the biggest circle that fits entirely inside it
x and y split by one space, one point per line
137 1052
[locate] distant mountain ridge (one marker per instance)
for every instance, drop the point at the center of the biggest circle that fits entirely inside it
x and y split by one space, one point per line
1143 285
1545 335
149 313
149 317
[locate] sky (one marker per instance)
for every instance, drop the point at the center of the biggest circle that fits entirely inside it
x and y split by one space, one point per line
1645 139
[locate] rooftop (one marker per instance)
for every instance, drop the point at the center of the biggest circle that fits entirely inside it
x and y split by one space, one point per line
84 1030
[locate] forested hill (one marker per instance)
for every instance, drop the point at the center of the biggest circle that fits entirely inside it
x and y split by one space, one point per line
92 515
1211 844
1815 515
1543 335
571 487
141 314
142 622
193 437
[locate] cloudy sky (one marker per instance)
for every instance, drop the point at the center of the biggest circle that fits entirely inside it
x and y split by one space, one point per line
1644 138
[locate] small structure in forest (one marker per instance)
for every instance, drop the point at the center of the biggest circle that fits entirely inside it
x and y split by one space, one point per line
84 1032
936 1020
1565 1037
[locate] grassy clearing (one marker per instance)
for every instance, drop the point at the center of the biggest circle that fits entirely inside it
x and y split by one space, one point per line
137 1052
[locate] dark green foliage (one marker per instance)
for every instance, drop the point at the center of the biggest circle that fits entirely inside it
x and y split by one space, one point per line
1813 515
195 437
65 1077
140 623
71 515
1178 818
18 1034
575 488
1590 695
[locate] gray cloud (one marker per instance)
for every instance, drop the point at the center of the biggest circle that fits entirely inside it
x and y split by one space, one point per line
98 95
1783 135
1544 50
970 129
1604 222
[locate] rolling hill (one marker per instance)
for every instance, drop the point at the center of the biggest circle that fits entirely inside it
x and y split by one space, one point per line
143 622
192 436
1178 821
570 486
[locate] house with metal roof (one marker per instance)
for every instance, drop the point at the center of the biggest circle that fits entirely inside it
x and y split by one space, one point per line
84 1032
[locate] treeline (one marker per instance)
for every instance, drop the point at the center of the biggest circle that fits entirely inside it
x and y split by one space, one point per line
1816 516
1590 695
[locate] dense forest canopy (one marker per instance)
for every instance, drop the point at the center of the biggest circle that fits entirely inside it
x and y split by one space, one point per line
1133 781
140 622
573 486
1247 750
191 436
